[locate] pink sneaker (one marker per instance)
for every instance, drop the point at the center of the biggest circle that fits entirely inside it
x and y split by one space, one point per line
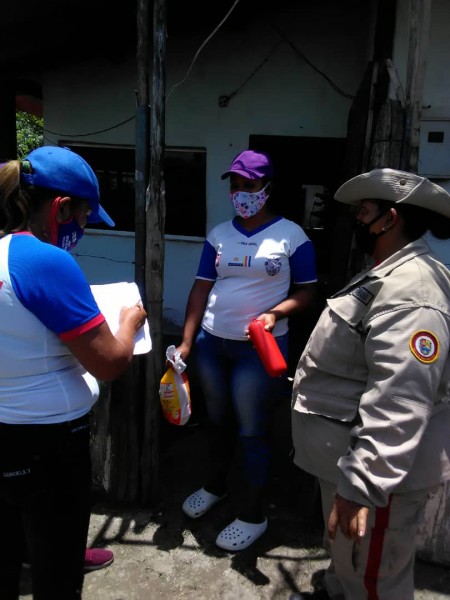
97 558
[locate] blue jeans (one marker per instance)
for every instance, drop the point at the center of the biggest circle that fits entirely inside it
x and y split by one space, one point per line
240 398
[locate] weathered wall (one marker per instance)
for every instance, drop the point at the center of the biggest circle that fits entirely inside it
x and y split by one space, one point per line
285 96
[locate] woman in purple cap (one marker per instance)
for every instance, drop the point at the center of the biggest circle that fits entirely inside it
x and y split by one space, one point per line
54 343
257 265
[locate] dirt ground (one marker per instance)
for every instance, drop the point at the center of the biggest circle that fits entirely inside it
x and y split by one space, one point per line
161 553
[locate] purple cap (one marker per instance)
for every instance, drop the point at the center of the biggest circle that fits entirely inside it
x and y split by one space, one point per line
252 165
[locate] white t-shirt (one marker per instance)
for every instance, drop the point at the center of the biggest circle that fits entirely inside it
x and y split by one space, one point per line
44 300
252 272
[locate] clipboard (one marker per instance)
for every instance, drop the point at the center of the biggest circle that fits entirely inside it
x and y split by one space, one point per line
111 297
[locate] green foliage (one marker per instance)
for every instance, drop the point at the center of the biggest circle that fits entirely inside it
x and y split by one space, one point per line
30 133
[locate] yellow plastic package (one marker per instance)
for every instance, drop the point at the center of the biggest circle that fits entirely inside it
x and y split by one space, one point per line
174 391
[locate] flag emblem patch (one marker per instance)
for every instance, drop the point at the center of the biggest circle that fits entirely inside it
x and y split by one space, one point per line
425 346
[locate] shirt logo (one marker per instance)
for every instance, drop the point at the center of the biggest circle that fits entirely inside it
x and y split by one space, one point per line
273 266
363 295
425 346
1 284
20 473
246 261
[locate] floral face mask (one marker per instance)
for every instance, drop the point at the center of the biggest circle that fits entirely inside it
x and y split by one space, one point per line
248 204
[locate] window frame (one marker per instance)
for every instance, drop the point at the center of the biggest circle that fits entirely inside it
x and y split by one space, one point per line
183 190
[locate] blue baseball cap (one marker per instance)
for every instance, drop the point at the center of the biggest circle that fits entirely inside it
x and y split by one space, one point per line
252 165
63 170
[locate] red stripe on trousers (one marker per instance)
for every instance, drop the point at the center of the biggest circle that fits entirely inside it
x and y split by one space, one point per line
376 550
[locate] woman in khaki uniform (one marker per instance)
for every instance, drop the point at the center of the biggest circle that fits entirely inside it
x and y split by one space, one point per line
371 413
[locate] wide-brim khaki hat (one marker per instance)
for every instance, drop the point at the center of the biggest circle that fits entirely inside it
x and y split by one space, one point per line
400 187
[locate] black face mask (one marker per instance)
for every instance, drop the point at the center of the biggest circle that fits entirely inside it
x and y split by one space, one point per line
364 238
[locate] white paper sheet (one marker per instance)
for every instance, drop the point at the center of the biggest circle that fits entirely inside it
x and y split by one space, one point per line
111 297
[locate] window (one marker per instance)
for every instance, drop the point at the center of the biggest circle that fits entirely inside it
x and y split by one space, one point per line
185 181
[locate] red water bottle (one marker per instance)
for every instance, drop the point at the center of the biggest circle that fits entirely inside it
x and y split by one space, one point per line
267 348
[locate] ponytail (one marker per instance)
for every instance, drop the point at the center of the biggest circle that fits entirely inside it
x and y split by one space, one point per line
15 198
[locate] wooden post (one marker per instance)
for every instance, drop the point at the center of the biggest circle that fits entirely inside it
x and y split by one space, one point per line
142 162
117 421
154 263
419 32
142 159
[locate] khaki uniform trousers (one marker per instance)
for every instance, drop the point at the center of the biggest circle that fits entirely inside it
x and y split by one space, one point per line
381 567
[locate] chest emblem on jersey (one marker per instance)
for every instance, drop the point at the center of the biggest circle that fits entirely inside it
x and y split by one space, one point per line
1 284
237 261
363 295
273 266
425 346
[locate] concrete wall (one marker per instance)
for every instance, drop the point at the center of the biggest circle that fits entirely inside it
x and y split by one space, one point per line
284 97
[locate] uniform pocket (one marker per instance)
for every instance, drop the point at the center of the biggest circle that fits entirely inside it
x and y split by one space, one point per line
337 347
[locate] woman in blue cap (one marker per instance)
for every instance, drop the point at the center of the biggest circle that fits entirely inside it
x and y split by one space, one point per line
257 265
54 343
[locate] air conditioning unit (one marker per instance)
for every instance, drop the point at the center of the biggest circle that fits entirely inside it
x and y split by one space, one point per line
434 149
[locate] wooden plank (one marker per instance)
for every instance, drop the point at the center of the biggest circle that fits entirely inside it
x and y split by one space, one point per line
387 142
419 33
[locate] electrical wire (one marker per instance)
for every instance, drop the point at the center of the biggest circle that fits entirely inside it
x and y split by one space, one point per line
128 262
224 100
330 82
228 97
65 135
201 48
51 142
77 135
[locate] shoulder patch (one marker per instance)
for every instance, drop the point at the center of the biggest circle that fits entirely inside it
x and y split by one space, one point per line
425 346
363 295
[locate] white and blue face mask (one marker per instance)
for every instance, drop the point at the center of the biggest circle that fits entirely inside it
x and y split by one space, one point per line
65 235
248 204
69 234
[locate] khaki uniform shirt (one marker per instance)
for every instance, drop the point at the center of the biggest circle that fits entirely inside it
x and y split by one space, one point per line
371 390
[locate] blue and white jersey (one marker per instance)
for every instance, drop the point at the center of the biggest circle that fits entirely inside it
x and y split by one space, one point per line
252 272
44 300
